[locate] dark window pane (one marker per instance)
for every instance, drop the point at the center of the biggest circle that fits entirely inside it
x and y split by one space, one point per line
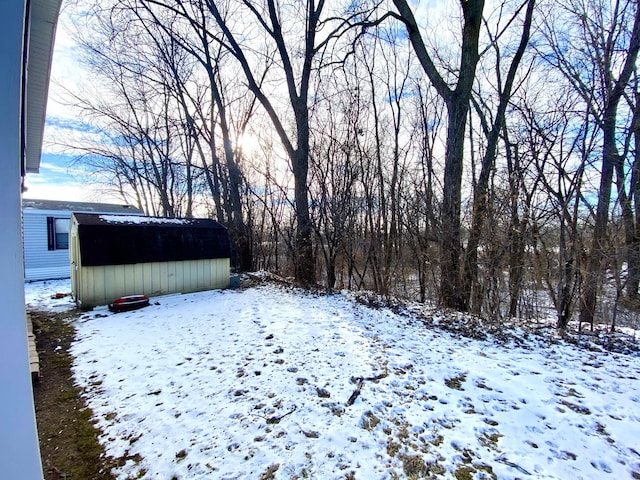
62 233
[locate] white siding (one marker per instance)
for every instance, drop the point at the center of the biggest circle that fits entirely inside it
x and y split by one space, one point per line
19 453
40 263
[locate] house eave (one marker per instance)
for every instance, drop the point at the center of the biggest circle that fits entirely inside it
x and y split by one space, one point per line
42 18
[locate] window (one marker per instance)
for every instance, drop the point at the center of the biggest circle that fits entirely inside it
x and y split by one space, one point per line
58 233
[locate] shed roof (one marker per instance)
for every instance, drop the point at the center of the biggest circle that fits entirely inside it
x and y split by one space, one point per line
64 205
127 239
141 221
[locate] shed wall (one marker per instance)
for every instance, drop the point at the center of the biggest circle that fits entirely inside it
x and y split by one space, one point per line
102 284
40 263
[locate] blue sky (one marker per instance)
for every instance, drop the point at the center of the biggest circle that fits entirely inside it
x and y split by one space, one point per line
59 180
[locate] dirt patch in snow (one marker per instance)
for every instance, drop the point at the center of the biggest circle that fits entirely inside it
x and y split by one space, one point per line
69 445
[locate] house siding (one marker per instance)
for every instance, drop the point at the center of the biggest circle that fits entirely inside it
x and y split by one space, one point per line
40 263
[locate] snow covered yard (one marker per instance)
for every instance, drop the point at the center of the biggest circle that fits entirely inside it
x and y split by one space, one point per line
263 383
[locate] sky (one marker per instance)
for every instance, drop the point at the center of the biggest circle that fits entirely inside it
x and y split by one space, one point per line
58 178
279 383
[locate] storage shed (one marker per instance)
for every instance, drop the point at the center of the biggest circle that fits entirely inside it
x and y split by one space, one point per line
116 255
46 234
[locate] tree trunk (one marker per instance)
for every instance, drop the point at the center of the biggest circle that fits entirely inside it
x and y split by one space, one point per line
610 158
304 261
596 256
633 249
451 293
457 102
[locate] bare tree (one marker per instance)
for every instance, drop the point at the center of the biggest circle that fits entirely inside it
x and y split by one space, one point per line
457 100
557 143
631 203
492 129
297 67
599 71
134 130
195 40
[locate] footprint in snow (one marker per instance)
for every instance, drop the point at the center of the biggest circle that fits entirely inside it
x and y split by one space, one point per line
534 429
600 465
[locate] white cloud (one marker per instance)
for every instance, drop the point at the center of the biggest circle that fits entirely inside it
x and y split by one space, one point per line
72 192
42 186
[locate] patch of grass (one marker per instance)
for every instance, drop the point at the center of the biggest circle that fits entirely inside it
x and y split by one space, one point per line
434 468
414 466
581 409
69 445
455 383
369 421
403 432
489 440
468 472
602 430
572 392
464 473
393 448
136 458
437 440
270 472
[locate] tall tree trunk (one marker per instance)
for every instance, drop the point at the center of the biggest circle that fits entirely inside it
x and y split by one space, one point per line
305 260
451 292
516 233
298 91
598 247
633 248
470 280
610 159
457 102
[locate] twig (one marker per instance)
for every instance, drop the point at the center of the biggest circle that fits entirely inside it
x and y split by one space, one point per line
276 419
361 381
355 394
501 459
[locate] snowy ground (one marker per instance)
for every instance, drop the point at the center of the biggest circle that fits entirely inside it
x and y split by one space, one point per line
256 383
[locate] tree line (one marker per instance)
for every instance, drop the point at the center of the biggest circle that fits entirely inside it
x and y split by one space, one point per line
482 155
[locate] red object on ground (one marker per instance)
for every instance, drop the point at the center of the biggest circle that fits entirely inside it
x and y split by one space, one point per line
129 302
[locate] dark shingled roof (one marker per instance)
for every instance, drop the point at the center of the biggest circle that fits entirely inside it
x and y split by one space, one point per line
121 239
67 206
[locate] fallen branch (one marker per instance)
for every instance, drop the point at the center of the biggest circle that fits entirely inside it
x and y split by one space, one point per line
361 381
276 419
356 392
501 459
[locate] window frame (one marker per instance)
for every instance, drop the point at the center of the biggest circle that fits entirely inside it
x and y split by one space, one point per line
53 242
